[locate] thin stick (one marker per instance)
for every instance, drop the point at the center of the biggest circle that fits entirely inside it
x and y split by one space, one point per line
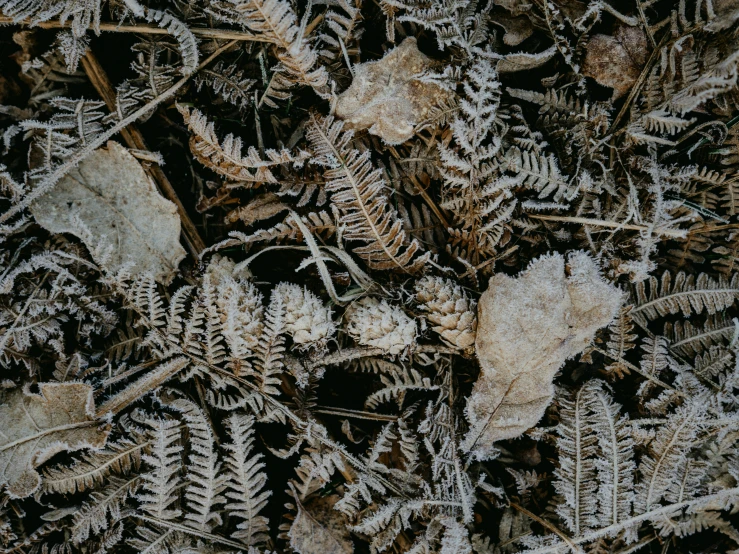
134 139
329 410
610 224
223 34
50 180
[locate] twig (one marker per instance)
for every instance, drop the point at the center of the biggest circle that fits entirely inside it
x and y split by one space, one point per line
134 139
329 410
677 233
223 34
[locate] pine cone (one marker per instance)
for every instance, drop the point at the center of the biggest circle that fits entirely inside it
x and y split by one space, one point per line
306 318
448 307
377 324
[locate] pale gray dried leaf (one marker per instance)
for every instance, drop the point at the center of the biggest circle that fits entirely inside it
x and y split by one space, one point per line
387 96
528 327
319 529
616 61
112 205
37 426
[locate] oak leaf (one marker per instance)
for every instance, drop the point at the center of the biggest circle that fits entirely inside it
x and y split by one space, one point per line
388 97
319 529
38 426
616 61
528 326
112 205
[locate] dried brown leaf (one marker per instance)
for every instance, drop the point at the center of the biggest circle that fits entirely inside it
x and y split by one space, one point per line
616 61
387 96
112 205
528 327
319 529
38 426
517 28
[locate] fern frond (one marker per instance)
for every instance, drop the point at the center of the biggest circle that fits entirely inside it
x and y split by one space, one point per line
225 158
94 467
615 465
276 21
358 192
320 223
181 33
396 385
687 339
102 507
245 481
621 339
667 455
206 483
576 477
686 295
229 83
270 349
161 482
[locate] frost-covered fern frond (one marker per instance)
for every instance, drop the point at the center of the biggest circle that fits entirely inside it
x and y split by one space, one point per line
270 348
576 475
94 468
276 21
480 202
206 482
102 508
319 223
685 295
396 385
455 22
615 466
688 339
226 158
84 14
668 454
74 124
358 192
246 481
229 83
161 483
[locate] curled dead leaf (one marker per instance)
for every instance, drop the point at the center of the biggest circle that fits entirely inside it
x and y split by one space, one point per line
616 61
37 426
528 327
112 205
387 96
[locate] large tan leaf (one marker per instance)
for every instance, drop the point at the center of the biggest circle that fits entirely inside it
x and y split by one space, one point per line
319 529
37 426
528 327
110 203
387 97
